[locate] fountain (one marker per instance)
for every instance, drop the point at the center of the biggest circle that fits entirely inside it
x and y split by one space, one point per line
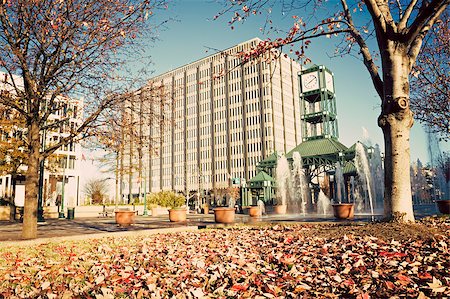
377 173
323 204
300 184
364 178
283 177
261 206
340 184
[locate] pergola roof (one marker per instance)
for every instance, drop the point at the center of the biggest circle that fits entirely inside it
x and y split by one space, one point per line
318 147
261 177
324 151
318 152
258 181
349 168
270 161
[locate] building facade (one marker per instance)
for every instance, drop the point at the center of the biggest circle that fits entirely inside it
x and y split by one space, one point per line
207 124
61 172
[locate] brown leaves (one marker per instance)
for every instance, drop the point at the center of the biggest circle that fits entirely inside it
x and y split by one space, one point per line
257 262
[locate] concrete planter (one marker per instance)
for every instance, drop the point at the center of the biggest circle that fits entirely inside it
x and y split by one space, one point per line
125 218
279 209
224 215
443 206
177 215
51 212
5 212
157 211
254 211
344 210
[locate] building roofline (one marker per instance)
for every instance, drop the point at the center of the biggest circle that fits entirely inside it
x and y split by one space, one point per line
204 58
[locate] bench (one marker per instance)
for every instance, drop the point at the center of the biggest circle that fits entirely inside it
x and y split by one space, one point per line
106 212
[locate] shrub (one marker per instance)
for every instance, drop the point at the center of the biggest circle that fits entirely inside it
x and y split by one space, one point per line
165 199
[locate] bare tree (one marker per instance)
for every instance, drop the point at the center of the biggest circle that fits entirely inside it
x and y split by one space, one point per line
399 28
430 92
97 190
52 50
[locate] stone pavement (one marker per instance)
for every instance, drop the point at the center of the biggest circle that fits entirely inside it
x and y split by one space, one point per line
97 227
82 228
104 226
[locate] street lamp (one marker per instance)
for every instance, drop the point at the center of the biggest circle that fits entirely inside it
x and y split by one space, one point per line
61 212
40 210
145 213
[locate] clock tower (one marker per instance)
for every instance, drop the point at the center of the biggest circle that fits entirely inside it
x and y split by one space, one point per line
318 103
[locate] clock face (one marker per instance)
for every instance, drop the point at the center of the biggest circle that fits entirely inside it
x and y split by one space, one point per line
329 81
310 81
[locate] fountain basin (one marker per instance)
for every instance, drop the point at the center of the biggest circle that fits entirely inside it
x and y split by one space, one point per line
344 210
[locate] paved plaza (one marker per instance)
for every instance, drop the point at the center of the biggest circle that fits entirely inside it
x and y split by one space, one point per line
95 227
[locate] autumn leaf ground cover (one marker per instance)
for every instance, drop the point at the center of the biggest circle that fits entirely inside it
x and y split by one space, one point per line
258 261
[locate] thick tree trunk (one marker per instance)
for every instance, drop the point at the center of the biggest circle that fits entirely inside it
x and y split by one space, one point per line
29 228
396 121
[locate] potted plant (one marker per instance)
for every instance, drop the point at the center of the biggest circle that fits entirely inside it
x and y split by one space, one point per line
157 201
443 206
343 210
254 211
168 200
178 211
124 217
280 206
226 214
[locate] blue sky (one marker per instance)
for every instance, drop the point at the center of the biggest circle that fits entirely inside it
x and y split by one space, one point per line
188 38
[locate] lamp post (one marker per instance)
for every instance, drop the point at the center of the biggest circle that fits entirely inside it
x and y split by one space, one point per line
145 213
40 210
61 212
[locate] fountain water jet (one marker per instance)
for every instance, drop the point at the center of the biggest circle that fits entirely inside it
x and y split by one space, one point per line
323 204
300 184
340 184
261 206
364 177
283 177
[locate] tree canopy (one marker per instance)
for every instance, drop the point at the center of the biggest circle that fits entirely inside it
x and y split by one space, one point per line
430 91
55 52
399 28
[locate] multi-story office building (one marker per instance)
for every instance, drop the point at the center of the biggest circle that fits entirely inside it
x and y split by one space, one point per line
217 119
61 169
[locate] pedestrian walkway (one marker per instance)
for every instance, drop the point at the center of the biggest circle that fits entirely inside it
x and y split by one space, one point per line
95 227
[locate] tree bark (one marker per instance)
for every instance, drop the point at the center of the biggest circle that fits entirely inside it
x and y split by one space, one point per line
396 120
29 228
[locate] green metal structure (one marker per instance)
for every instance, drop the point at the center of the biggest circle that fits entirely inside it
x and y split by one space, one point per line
318 104
320 149
262 187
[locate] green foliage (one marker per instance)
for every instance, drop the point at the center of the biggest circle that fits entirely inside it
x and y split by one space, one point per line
12 145
165 199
